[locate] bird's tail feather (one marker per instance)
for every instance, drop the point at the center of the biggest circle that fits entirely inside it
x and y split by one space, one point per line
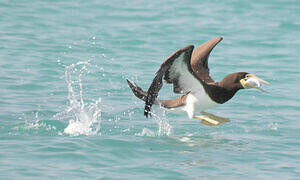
143 95
137 91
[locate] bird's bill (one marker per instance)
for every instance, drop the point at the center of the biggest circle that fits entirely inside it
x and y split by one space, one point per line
252 81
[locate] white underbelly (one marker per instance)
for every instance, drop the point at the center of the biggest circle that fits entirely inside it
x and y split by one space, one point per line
204 102
198 102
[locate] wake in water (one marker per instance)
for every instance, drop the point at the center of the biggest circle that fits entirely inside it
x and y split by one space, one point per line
85 117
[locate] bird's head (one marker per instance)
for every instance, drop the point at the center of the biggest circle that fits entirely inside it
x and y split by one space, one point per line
236 81
249 81
242 80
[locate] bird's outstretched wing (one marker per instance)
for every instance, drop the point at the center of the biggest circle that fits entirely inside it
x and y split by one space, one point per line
199 60
177 70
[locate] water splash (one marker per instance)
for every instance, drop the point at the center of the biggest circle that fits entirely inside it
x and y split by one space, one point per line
146 132
85 117
164 128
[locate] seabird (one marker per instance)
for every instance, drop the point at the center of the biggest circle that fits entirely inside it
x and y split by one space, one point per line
188 71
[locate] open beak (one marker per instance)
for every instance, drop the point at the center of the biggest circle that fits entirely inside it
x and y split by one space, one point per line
252 81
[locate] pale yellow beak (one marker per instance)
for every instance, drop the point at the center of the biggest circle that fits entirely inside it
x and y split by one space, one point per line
252 81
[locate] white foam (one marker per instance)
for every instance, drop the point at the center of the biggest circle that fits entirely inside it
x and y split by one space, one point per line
273 126
185 139
76 128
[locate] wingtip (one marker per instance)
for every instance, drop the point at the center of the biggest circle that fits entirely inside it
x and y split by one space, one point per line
146 112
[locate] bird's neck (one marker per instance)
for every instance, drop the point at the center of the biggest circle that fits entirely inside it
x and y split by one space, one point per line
222 92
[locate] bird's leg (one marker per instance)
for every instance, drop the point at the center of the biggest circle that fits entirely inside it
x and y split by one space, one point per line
211 120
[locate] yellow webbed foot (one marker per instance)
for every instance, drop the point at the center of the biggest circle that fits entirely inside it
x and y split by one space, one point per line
211 120
217 118
207 121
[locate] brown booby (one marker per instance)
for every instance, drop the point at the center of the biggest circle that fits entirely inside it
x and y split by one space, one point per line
188 71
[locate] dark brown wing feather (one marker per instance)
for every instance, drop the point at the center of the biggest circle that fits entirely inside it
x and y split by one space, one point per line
165 71
199 60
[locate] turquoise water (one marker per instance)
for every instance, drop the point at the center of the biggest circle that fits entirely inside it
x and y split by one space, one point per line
67 113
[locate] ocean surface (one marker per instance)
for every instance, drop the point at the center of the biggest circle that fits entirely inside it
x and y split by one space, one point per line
66 111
